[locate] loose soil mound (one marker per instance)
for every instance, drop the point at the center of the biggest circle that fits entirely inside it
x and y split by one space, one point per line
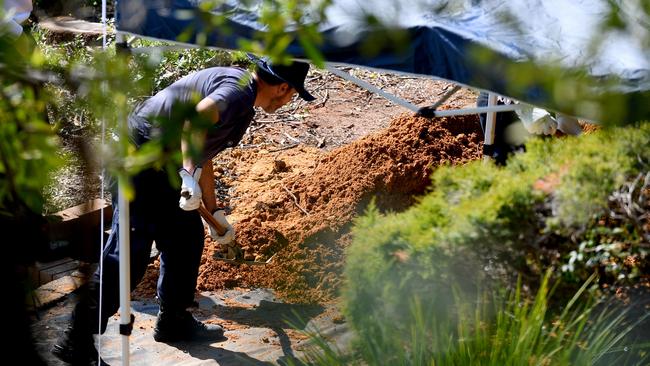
299 203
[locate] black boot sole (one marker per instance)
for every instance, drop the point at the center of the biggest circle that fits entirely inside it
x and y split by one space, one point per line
179 337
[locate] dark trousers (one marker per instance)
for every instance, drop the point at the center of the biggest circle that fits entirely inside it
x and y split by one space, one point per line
154 216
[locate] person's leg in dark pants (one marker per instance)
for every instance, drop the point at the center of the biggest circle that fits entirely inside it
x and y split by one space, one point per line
179 238
181 246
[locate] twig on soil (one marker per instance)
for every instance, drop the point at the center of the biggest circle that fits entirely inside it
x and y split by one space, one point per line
261 126
317 88
267 121
322 102
295 200
249 146
295 109
320 141
292 138
284 148
278 121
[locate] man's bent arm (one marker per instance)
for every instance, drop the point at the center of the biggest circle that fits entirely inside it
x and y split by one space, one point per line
207 187
208 109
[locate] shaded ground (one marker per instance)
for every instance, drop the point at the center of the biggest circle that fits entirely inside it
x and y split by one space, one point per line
260 330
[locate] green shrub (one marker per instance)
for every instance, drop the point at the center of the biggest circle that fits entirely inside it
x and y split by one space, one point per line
173 64
483 226
498 329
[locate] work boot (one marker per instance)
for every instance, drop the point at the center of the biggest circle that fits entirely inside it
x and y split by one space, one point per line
77 349
180 325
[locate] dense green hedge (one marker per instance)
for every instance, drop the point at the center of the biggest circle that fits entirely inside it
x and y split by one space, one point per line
483 226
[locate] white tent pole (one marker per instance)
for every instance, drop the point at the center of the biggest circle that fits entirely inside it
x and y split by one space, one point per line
101 223
125 260
104 24
490 124
125 256
478 110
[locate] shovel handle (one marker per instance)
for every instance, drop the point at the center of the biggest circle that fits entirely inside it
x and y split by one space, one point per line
211 220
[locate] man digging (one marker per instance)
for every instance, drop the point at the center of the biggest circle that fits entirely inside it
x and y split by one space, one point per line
158 213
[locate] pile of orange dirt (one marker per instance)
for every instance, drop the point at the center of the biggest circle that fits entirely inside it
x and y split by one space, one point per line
588 128
299 203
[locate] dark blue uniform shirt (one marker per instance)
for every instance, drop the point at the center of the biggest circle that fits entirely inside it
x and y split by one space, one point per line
232 88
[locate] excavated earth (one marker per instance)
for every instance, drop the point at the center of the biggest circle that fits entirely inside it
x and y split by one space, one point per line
296 204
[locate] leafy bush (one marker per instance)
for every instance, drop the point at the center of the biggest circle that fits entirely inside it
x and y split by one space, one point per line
484 226
27 149
171 63
495 330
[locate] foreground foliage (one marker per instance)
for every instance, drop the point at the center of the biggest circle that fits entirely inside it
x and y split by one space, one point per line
505 329
577 205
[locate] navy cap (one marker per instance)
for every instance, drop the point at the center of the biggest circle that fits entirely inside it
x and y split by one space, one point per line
293 74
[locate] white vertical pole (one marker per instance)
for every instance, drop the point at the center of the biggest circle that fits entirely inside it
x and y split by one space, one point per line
125 260
101 220
125 254
104 24
490 124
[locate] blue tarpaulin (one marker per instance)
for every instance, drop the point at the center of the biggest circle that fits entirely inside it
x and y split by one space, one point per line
505 46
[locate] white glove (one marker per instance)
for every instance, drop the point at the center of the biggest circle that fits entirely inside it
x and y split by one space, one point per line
537 121
190 190
229 236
